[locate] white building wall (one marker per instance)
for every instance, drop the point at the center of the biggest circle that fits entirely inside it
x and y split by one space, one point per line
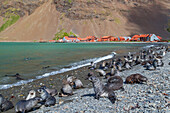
154 37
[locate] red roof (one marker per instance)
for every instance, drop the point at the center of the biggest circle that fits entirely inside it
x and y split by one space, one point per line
105 37
159 37
87 38
136 37
70 38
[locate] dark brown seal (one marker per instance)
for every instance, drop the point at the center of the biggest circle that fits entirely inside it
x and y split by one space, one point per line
136 78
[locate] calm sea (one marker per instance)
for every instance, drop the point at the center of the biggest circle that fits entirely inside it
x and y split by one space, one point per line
30 59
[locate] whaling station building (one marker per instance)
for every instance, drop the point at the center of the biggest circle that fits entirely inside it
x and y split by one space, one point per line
141 37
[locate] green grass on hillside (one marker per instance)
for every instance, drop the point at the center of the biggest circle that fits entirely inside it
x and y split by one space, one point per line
117 21
9 22
62 33
70 1
168 29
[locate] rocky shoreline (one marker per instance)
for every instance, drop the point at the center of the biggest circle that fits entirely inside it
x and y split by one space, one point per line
150 97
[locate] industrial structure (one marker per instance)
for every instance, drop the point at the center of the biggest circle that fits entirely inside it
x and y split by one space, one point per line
138 38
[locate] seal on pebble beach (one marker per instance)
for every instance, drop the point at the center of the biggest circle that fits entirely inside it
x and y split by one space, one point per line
101 72
77 84
27 105
102 90
5 104
46 97
1 99
66 89
31 94
70 79
115 83
52 92
136 78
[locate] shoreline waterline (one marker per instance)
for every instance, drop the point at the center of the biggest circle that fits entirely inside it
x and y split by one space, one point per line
63 70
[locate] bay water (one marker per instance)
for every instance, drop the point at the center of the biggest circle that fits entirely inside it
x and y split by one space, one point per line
37 60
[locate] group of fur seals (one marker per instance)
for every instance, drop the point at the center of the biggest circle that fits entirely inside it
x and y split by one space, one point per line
32 101
5 104
150 58
68 85
46 95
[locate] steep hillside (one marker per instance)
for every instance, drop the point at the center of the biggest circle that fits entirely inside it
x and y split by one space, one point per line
86 17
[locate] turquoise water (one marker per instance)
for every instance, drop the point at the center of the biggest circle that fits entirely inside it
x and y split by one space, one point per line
28 59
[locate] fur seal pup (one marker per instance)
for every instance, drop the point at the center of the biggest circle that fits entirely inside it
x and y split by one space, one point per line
89 75
46 97
119 64
52 92
101 72
31 94
104 66
92 66
5 104
151 65
66 89
127 65
101 90
136 78
137 60
70 79
115 83
113 72
1 99
77 84
27 105
160 62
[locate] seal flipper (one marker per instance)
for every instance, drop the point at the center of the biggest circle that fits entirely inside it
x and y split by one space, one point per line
97 96
112 97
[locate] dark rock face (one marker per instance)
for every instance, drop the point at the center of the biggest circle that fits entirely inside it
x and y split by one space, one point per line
17 7
85 9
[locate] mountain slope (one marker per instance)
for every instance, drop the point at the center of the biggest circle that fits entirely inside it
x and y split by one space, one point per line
91 17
